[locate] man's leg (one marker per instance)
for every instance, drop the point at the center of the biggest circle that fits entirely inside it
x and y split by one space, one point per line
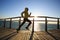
21 24
28 24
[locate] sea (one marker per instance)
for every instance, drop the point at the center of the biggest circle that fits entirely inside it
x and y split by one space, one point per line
38 25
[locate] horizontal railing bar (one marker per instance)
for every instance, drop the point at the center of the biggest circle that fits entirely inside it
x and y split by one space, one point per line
47 20
46 17
38 20
16 17
31 17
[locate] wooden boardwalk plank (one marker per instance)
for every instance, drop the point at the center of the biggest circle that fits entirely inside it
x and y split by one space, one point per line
5 33
44 36
22 35
55 33
25 35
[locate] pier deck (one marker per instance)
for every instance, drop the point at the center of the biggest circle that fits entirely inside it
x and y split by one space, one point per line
6 33
11 34
25 35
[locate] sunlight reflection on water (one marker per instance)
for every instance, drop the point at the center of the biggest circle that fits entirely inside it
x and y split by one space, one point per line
38 26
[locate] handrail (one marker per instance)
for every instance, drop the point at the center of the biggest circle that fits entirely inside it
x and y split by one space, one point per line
31 17
15 17
46 20
47 17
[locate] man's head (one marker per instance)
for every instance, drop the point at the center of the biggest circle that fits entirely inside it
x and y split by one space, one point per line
26 9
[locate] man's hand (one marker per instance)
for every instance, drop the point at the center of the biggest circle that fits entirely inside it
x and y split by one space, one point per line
30 13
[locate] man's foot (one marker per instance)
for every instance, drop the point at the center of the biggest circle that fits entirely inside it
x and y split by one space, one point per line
27 28
17 30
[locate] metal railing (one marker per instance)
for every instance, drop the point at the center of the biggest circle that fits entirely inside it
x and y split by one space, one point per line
46 21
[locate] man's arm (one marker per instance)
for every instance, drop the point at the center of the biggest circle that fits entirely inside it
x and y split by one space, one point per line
22 14
29 14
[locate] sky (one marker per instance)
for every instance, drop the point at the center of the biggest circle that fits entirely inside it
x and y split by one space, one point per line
13 8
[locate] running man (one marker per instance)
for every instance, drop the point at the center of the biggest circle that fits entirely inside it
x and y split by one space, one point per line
25 15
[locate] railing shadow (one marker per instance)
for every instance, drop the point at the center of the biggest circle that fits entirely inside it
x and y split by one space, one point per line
52 35
32 33
31 36
9 35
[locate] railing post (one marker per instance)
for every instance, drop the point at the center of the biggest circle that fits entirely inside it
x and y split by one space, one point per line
19 21
10 22
46 24
33 25
4 22
58 23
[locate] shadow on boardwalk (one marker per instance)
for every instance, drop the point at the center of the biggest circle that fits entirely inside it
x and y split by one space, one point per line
30 35
52 35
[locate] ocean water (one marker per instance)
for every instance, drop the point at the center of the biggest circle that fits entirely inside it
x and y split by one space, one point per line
37 26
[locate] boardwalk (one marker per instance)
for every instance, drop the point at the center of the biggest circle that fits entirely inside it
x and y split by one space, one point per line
11 34
26 35
55 33
6 33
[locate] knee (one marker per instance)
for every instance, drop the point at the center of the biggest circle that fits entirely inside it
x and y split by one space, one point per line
30 22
